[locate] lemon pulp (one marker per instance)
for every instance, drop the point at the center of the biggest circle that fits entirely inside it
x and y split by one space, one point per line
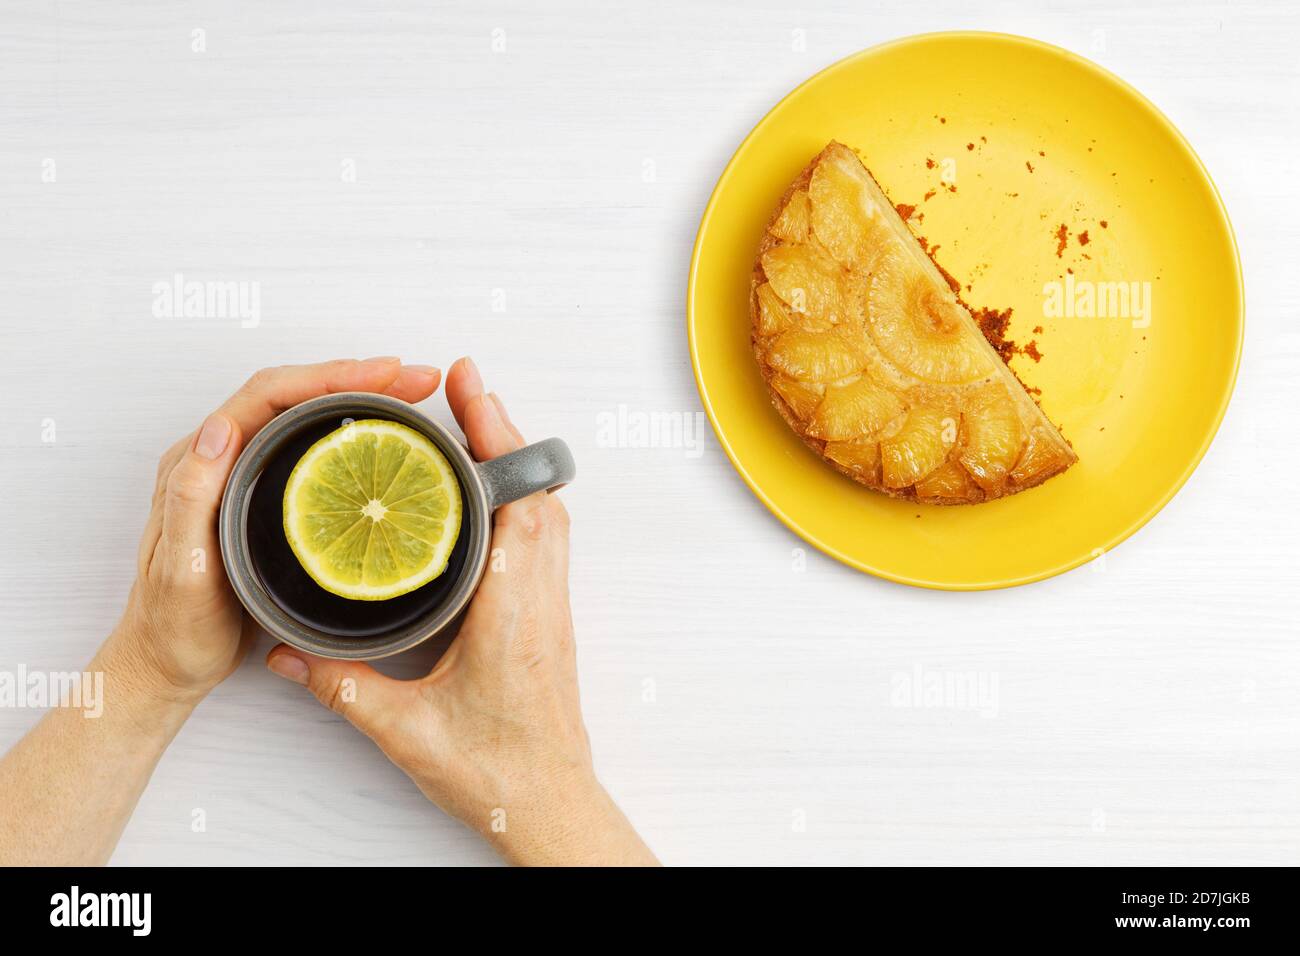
372 510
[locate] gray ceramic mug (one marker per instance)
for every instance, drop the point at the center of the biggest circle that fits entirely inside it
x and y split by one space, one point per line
293 609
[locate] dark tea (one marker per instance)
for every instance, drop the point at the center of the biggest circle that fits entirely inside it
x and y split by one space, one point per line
294 590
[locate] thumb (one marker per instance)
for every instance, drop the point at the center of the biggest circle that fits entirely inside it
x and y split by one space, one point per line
367 698
192 495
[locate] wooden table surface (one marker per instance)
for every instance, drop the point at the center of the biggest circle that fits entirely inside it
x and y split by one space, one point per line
523 182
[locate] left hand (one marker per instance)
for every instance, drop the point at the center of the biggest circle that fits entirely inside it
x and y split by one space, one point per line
183 630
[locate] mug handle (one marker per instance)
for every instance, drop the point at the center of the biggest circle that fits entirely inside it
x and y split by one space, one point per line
542 466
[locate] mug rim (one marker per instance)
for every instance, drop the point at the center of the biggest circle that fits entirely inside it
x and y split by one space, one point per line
233 527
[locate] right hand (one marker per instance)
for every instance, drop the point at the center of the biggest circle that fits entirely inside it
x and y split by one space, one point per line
494 734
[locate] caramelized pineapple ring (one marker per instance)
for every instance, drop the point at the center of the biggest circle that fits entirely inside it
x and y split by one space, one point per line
802 397
992 438
919 447
860 409
792 224
950 482
859 456
816 356
810 283
923 329
845 219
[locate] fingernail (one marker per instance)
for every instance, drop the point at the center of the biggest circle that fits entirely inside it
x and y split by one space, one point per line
289 667
422 369
382 360
473 370
213 437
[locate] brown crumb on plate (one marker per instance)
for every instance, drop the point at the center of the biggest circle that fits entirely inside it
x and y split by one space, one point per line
1062 238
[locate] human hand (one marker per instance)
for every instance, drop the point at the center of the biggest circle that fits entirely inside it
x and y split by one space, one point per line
184 630
494 734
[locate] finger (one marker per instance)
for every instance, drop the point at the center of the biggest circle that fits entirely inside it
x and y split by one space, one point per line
415 383
479 418
273 390
505 417
369 700
153 524
530 560
167 462
188 541
487 426
487 433
463 383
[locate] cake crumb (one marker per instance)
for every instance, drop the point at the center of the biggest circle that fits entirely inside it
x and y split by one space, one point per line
994 324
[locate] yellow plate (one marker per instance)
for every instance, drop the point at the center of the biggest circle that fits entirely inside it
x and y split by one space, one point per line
1139 395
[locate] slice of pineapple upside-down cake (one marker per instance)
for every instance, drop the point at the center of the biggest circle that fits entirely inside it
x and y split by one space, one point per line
874 362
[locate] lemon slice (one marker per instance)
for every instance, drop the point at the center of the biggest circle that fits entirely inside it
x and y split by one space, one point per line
372 511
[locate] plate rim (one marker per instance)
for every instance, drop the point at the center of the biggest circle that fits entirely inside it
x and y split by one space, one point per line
1137 524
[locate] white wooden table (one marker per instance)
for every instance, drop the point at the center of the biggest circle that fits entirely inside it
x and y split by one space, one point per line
523 182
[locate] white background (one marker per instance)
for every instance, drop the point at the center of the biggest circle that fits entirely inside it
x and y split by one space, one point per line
1147 712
